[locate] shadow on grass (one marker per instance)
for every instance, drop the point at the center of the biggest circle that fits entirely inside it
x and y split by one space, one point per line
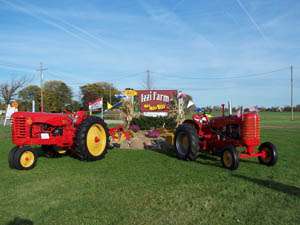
203 159
52 153
284 188
249 161
20 221
209 160
166 152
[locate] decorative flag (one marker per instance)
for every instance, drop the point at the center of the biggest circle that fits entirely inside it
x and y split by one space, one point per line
119 96
181 95
109 106
190 103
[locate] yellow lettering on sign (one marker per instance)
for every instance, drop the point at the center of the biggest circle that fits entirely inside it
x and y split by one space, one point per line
130 93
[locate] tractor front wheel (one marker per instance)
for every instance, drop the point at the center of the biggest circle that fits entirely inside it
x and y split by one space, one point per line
186 142
271 155
230 158
22 158
92 139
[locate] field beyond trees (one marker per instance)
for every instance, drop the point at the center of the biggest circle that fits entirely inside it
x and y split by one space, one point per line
147 187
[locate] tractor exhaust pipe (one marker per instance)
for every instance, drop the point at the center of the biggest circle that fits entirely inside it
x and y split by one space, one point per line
229 108
223 109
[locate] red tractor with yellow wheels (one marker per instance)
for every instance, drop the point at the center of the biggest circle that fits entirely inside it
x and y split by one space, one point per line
231 137
83 136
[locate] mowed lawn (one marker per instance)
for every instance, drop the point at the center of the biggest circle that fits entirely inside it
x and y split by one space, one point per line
147 187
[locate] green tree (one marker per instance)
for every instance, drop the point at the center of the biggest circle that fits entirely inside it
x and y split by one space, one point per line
75 105
57 95
27 94
90 92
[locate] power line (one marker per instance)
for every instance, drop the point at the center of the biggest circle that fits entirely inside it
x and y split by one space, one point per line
51 22
68 24
206 77
15 66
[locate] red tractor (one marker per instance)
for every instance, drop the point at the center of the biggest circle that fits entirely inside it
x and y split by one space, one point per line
83 136
222 136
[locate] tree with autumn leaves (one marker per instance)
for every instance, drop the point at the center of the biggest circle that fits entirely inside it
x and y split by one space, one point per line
93 91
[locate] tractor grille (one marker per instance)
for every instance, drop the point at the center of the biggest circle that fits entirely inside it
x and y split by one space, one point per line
251 129
19 127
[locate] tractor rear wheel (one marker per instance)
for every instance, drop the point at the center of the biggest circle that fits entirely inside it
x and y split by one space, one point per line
92 139
271 154
22 158
186 142
230 158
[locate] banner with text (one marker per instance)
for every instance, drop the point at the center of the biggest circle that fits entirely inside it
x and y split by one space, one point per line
155 102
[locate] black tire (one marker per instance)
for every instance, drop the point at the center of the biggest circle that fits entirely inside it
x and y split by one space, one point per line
50 151
16 160
11 157
230 158
272 154
81 146
189 150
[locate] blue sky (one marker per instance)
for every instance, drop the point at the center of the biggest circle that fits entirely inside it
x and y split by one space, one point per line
212 50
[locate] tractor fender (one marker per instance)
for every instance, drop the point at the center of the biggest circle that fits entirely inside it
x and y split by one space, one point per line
192 123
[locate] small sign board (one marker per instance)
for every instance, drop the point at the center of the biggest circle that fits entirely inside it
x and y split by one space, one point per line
155 114
97 104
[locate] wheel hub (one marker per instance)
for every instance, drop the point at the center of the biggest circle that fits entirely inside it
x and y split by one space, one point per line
227 158
96 140
27 159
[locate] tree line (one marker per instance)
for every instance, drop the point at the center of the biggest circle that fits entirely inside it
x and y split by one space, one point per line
57 95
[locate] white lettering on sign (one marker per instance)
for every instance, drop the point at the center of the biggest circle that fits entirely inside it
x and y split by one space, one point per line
45 136
154 96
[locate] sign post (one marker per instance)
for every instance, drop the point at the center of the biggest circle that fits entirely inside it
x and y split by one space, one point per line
11 109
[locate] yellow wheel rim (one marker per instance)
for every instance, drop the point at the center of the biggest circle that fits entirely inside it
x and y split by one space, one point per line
96 140
27 159
227 158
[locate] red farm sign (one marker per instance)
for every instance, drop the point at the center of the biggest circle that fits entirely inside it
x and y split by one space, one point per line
155 100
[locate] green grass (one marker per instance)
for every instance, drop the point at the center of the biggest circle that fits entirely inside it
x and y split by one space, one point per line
146 187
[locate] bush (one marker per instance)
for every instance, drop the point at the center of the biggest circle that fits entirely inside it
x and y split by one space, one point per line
148 123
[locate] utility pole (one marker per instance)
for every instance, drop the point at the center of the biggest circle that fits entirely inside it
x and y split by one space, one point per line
110 93
41 69
292 93
148 81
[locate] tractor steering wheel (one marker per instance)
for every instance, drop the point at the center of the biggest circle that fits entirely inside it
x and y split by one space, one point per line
201 119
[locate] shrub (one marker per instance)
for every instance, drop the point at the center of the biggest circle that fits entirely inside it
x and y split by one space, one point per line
148 123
